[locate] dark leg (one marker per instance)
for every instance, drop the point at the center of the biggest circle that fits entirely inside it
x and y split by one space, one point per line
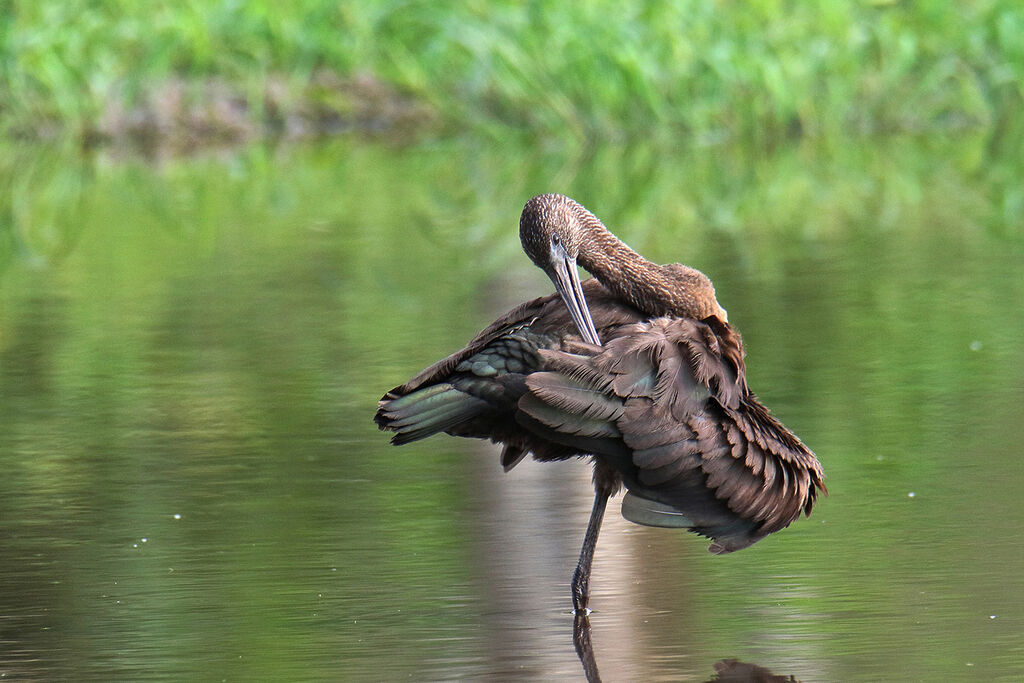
581 577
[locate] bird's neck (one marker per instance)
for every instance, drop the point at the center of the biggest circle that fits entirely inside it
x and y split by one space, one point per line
647 286
629 275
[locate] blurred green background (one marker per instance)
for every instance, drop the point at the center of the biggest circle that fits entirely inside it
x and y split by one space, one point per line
226 228
703 68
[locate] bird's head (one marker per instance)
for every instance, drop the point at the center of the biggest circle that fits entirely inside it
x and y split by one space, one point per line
552 234
550 228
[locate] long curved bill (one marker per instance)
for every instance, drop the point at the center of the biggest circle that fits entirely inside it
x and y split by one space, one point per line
567 284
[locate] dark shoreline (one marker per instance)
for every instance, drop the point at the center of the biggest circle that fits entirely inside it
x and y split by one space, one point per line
179 116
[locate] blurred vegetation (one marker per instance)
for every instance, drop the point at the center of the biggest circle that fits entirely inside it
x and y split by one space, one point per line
704 68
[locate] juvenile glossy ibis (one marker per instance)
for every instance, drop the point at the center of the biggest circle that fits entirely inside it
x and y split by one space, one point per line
663 408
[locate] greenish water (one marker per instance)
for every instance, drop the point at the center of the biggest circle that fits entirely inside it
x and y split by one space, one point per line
191 350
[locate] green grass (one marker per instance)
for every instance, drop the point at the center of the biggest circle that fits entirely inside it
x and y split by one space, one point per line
762 69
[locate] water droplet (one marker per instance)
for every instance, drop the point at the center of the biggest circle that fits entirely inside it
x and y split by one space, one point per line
910 495
145 540
975 345
176 516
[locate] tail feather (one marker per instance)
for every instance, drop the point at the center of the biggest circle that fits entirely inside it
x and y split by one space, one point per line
426 412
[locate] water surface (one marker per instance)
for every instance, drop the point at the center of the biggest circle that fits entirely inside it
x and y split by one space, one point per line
191 350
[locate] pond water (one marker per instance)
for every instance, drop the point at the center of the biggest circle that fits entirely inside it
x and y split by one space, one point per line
191 350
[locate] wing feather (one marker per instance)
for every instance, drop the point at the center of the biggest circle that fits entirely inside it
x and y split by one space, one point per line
673 392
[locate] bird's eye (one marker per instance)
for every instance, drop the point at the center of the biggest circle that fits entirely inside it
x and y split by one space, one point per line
555 240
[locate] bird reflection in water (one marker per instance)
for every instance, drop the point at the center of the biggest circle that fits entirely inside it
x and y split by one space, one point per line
726 670
735 671
638 369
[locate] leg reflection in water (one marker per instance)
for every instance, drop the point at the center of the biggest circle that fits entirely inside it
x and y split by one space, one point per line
584 650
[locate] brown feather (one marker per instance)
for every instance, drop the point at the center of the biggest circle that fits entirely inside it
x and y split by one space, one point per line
691 423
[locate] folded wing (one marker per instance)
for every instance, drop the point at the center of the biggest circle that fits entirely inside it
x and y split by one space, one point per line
666 402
